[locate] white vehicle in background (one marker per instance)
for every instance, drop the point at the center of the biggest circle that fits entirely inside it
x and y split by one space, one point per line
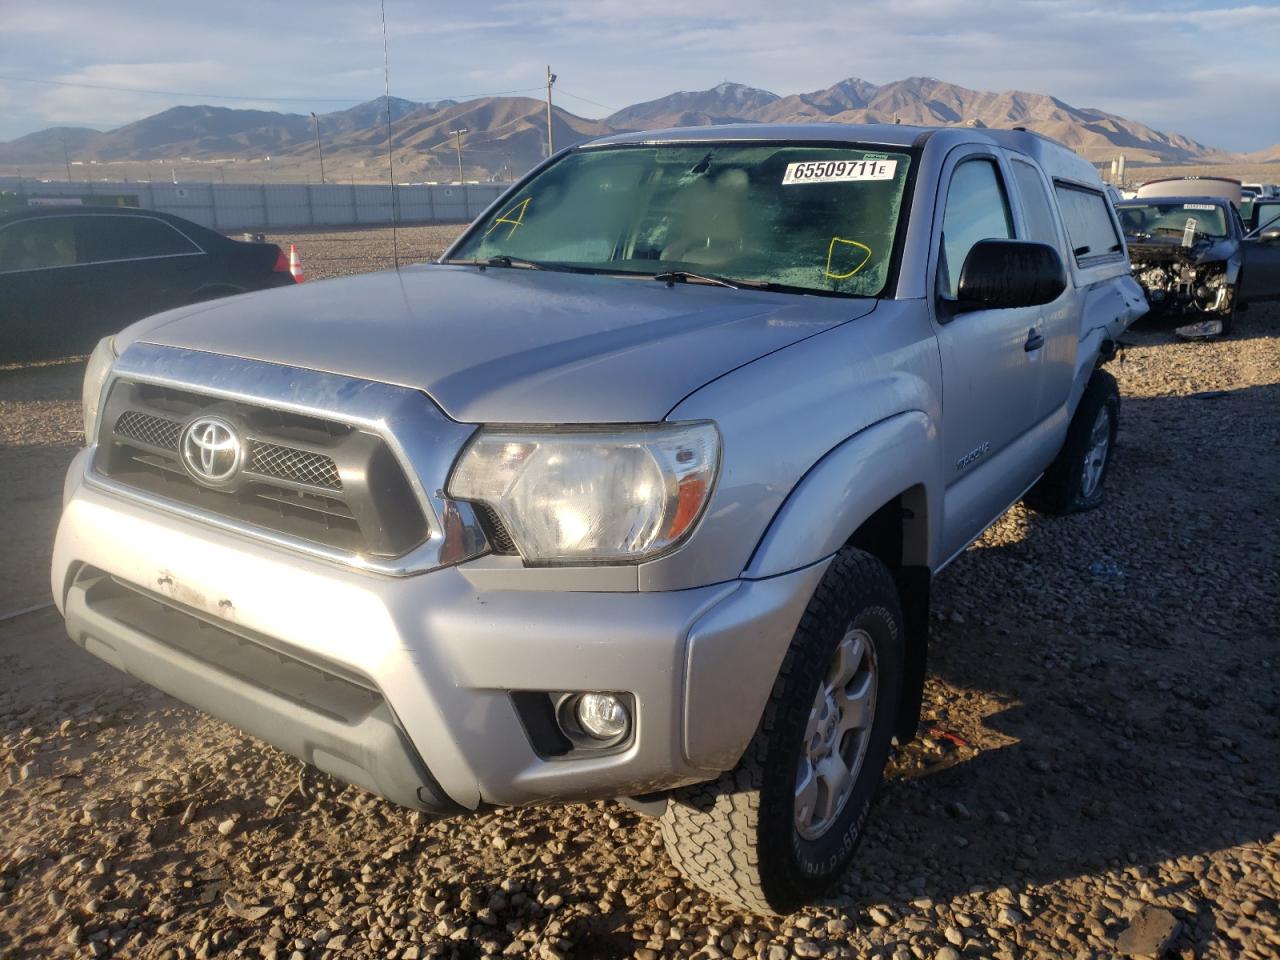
1224 188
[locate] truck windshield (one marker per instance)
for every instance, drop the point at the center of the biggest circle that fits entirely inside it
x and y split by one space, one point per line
801 218
1172 219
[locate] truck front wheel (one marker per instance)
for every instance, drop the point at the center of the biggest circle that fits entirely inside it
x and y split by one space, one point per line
774 832
1073 483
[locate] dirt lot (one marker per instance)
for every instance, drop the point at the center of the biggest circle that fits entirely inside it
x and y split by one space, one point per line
337 253
1103 728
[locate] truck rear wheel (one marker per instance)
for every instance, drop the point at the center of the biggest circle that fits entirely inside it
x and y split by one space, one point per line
1074 481
774 832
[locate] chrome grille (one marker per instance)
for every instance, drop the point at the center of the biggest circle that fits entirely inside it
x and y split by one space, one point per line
299 466
266 459
307 477
153 431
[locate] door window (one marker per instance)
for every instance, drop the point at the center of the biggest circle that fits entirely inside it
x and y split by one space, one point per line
977 209
1035 204
1266 216
1087 215
106 238
37 244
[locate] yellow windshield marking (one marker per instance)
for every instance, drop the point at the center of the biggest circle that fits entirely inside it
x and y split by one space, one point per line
507 218
831 250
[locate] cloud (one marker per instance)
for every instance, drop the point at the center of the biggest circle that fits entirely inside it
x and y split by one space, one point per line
1203 69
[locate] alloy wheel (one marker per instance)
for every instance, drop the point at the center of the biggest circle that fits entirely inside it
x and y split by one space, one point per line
836 736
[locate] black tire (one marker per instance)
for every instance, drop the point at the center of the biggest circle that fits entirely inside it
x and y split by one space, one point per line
1062 489
736 837
1237 308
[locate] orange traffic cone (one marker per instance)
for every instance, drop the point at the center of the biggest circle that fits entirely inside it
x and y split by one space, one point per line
295 267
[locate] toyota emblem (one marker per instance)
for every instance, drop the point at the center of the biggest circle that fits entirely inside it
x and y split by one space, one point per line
211 451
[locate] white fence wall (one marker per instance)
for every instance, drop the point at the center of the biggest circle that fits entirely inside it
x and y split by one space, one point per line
235 206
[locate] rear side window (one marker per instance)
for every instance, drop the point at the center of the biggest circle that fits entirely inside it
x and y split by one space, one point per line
1036 204
37 244
1089 226
977 209
109 238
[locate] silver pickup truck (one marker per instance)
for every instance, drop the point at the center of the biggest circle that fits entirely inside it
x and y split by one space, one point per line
638 492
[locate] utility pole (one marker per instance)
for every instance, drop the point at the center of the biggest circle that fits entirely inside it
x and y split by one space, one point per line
66 158
318 150
551 78
457 135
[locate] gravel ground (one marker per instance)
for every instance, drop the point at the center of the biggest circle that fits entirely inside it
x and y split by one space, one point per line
1099 757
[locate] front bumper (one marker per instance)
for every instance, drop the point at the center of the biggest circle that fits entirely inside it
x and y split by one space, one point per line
431 660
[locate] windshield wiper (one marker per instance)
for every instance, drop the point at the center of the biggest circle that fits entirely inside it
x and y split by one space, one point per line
684 276
670 277
519 263
505 261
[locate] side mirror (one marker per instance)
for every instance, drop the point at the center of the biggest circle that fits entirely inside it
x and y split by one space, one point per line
1270 235
999 274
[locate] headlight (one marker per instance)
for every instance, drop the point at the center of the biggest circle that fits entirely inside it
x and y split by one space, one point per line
95 377
610 495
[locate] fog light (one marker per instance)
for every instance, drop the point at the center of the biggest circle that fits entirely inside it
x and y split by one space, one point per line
602 716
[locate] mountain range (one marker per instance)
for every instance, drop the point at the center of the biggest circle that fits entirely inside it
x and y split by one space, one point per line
507 135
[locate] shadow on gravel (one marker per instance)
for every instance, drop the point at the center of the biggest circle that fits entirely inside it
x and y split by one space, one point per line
1123 664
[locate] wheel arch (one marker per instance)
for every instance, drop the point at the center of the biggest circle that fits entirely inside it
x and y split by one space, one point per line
877 491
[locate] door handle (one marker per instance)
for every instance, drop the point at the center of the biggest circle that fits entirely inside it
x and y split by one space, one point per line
1034 341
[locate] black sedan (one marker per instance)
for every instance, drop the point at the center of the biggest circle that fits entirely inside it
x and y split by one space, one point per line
72 275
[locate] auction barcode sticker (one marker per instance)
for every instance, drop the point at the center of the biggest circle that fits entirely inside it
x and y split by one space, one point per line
1198 206
838 171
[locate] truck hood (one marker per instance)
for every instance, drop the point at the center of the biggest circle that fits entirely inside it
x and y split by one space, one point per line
508 345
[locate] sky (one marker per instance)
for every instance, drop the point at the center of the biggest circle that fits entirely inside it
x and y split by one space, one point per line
1203 68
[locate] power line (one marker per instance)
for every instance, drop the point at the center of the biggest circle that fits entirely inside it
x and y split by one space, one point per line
235 96
594 103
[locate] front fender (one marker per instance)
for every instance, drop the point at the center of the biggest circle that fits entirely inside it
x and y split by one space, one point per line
850 483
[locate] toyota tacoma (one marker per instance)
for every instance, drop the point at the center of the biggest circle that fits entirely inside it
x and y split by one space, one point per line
638 492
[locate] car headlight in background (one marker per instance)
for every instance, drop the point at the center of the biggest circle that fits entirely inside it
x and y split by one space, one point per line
592 495
95 377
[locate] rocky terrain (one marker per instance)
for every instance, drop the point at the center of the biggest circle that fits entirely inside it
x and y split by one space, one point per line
1096 773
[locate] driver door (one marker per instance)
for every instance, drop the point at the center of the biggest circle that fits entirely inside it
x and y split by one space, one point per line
1260 269
992 360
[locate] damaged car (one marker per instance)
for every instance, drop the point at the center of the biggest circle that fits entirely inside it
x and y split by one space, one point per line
1196 261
